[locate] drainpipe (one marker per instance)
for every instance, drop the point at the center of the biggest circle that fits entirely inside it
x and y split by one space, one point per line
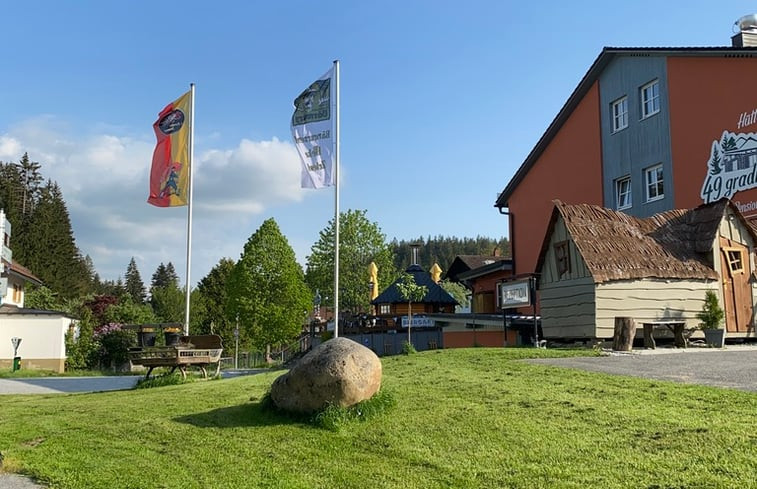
510 218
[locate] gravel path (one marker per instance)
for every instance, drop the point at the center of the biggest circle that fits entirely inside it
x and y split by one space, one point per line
734 367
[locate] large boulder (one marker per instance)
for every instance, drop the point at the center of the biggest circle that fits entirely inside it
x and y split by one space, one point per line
340 372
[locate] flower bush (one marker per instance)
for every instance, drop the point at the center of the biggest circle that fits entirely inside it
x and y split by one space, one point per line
114 344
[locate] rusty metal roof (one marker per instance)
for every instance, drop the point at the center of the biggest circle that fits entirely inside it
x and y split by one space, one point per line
617 246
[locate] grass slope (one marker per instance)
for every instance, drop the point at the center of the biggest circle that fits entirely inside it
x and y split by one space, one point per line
463 419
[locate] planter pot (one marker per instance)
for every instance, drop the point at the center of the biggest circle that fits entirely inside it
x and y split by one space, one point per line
145 338
714 337
172 338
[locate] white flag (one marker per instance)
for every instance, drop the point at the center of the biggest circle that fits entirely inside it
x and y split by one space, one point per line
313 132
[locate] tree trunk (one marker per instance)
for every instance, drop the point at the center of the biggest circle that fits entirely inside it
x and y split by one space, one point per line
625 330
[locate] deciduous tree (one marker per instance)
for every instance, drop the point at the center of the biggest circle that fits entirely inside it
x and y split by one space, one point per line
266 289
360 243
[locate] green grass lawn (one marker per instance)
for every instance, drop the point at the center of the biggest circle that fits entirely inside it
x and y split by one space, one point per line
463 418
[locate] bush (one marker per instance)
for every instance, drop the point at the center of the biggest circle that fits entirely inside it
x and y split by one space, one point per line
114 344
408 348
711 315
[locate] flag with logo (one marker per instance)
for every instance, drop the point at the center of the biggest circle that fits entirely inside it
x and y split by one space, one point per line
313 133
169 176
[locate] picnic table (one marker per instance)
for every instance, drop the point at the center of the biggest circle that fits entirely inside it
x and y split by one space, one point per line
199 350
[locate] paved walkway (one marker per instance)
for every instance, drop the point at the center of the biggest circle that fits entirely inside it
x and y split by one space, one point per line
734 366
63 385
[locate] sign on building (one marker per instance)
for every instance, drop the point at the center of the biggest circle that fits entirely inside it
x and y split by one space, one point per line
419 322
516 293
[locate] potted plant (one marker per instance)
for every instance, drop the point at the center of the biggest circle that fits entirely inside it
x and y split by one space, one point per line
146 336
172 335
711 317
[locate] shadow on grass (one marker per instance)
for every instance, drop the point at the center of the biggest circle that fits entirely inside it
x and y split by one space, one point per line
243 415
265 413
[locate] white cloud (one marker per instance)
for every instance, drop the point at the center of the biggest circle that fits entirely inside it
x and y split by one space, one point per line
104 179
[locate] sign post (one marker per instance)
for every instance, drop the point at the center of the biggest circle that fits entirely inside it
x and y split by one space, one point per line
16 359
518 293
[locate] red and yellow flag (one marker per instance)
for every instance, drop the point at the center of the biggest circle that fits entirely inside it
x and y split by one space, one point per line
169 176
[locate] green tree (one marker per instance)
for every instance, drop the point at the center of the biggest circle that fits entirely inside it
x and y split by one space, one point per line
411 292
212 291
127 312
48 247
360 243
134 285
164 276
266 289
168 303
456 290
444 249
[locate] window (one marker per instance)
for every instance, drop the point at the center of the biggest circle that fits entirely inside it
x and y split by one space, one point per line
385 309
620 114
653 177
562 259
17 293
650 99
735 260
623 193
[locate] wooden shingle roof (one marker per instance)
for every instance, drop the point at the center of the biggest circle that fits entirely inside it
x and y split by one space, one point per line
616 246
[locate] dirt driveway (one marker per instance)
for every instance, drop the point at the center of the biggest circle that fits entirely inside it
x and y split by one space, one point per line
733 367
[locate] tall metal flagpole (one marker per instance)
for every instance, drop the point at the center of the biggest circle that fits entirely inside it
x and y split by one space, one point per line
336 200
189 202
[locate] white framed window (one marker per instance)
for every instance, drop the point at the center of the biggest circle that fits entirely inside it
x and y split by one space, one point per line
650 99
654 183
623 193
385 309
619 112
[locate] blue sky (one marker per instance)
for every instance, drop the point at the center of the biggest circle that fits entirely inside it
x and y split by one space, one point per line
440 104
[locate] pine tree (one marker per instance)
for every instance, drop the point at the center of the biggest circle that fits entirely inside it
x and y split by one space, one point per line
47 246
135 288
171 275
164 276
159 277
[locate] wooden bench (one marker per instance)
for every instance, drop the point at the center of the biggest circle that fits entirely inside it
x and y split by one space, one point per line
199 350
680 333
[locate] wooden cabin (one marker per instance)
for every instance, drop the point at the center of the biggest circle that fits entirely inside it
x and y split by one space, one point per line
596 264
391 306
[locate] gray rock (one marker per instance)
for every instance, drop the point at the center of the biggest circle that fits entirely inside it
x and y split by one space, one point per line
340 372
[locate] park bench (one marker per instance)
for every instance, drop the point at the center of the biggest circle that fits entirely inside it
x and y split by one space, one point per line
680 333
199 350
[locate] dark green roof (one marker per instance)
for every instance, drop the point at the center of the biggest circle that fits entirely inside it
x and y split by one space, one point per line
435 295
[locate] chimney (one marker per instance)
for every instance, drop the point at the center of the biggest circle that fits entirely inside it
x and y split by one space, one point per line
414 247
495 252
747 35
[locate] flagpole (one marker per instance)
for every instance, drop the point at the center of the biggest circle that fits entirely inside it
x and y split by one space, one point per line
336 200
189 202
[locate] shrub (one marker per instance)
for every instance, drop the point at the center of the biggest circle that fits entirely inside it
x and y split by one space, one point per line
114 344
711 315
408 348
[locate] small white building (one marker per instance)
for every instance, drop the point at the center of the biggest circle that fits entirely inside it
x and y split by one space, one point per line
42 333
